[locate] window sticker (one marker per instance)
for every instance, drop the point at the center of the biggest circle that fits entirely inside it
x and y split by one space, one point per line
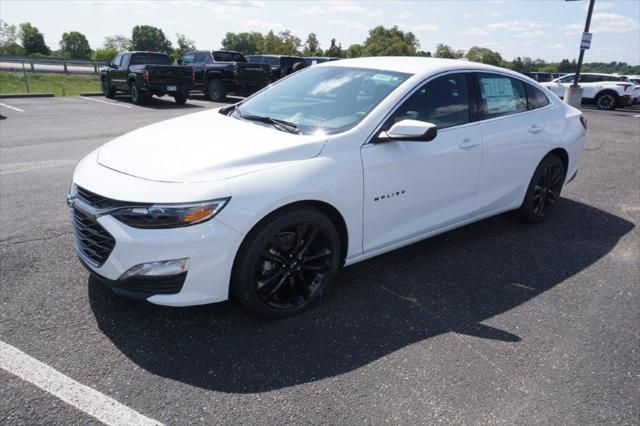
499 94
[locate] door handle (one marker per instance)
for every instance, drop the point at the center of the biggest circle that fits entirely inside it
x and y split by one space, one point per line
468 143
535 129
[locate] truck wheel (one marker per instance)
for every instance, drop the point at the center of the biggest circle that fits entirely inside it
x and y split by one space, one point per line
606 101
107 90
216 91
136 94
180 98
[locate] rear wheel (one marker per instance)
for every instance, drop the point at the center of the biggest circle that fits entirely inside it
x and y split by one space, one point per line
606 101
285 263
180 98
137 96
216 91
544 190
107 89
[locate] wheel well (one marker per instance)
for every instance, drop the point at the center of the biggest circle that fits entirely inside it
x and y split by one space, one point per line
563 156
331 212
606 91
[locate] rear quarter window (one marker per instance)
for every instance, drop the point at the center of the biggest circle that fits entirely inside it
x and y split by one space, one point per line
535 97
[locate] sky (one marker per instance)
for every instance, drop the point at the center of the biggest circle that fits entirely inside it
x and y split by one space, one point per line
547 29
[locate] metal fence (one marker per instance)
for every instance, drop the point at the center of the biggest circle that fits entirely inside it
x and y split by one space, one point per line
48 64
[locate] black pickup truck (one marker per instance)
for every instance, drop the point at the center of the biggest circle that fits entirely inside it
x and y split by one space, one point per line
221 72
144 74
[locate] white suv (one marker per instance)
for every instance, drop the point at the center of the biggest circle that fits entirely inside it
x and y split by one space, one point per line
605 90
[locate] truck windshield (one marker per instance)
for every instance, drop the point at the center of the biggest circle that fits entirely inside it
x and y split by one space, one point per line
323 99
150 58
228 57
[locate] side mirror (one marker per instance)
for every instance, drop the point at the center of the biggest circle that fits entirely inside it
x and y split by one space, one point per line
410 130
179 61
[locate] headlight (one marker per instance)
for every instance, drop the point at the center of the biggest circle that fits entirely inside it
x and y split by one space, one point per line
169 215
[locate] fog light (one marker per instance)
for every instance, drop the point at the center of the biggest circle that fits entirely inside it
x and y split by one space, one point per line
156 269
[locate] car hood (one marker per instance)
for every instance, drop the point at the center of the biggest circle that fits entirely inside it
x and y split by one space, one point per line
203 147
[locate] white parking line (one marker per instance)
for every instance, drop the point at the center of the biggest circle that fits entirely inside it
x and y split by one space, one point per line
11 107
637 115
92 402
105 102
9 168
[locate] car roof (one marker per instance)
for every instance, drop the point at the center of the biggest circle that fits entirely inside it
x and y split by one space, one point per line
417 65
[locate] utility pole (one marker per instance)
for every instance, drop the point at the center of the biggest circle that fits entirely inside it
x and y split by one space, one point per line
573 93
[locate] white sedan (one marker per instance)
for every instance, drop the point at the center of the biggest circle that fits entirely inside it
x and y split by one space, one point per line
267 199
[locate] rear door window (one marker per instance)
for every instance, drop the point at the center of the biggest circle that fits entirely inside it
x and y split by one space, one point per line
501 95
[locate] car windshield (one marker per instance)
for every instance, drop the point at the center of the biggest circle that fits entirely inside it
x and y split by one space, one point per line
150 58
323 99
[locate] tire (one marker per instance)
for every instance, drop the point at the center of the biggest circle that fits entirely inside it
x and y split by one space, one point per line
107 89
298 66
180 98
215 91
137 97
606 101
544 190
286 262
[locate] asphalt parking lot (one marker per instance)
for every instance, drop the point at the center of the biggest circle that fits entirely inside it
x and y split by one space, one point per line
494 322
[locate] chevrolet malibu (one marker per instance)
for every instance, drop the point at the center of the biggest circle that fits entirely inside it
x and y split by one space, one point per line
267 199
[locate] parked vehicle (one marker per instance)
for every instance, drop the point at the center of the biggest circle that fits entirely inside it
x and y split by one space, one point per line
543 77
281 65
314 60
144 74
635 79
267 199
606 91
218 73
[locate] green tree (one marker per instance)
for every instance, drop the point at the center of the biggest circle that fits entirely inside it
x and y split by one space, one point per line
246 43
355 51
271 44
445 51
484 55
184 45
566 66
146 37
290 44
75 45
312 46
8 40
32 40
390 42
334 51
105 54
118 42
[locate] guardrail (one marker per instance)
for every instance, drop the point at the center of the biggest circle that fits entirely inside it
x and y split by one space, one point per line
48 64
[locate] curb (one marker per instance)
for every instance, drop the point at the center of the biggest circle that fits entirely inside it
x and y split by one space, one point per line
27 95
91 94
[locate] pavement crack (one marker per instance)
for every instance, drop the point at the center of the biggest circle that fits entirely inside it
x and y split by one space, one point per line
9 242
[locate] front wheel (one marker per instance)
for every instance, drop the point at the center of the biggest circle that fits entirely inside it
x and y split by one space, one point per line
285 263
107 89
606 101
544 190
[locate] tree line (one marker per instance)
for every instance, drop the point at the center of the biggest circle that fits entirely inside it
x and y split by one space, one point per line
26 39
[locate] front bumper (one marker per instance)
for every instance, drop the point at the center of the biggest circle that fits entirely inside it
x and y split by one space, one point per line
209 246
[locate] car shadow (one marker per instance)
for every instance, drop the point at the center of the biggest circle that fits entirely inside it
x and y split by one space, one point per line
450 283
166 102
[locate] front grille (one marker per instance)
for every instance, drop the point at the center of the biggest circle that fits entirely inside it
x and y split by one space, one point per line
93 241
98 201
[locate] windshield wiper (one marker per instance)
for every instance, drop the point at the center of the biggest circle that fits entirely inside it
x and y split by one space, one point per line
287 126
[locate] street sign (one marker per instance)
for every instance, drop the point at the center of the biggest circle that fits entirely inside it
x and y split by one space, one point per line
586 41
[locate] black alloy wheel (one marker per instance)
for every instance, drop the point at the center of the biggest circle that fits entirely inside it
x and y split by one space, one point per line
136 94
606 101
216 91
544 190
286 264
